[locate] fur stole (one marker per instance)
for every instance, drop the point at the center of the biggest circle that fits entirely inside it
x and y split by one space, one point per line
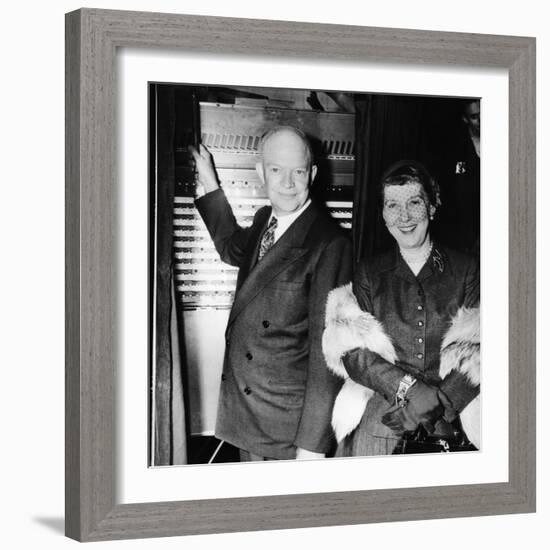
348 327
460 352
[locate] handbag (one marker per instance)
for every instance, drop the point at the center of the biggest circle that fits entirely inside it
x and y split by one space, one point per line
420 441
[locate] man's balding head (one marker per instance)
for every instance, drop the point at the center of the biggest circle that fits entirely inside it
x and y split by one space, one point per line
289 131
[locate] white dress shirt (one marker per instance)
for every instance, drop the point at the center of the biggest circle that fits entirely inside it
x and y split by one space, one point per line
284 222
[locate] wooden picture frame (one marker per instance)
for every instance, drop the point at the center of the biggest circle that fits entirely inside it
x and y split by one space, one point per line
92 39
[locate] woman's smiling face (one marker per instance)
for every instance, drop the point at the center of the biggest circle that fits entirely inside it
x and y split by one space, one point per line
406 213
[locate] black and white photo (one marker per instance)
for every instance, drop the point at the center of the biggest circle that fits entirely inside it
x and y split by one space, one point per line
314 274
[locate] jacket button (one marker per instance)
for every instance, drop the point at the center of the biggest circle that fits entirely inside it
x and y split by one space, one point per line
420 340
247 390
249 356
419 308
420 323
420 356
223 377
265 324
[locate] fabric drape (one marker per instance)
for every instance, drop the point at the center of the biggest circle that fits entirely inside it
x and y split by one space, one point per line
390 128
169 439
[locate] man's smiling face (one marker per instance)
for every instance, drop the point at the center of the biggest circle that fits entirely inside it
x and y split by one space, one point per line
286 171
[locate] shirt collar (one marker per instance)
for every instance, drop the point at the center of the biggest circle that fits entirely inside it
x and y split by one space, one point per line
284 222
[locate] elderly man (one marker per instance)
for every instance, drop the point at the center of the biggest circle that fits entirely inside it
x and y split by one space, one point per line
276 393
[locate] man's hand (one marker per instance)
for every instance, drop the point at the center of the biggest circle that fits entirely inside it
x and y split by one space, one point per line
304 454
204 166
423 407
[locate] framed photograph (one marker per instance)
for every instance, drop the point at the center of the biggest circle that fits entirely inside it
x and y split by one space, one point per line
354 138
157 122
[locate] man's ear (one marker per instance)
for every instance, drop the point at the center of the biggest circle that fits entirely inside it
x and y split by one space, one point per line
432 210
313 172
260 172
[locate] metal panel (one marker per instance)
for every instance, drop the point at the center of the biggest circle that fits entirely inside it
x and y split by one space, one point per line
205 345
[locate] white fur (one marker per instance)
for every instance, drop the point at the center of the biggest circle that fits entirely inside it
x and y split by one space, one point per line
349 327
460 351
460 346
470 418
464 327
349 408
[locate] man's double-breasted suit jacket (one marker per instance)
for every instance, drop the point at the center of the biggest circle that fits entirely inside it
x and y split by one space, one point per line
276 393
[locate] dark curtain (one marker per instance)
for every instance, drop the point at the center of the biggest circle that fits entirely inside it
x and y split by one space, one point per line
174 124
390 128
387 129
167 402
161 203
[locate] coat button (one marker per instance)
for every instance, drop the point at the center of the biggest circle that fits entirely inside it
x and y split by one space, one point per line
223 377
247 390
420 323
419 308
265 324
249 356
420 356
420 340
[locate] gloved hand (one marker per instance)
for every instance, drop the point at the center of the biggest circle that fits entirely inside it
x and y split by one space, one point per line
423 406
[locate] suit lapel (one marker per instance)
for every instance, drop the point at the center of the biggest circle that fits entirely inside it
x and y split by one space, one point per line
283 253
253 248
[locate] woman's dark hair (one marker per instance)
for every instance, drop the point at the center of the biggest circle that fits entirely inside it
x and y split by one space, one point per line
411 171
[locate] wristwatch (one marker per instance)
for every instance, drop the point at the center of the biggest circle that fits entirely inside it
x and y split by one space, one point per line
405 385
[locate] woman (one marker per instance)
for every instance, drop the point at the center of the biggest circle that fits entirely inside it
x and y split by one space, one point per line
406 335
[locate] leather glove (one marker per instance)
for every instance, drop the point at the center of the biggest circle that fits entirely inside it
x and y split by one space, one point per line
423 407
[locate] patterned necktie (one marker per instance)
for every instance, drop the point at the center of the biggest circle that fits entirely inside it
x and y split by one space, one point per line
268 238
